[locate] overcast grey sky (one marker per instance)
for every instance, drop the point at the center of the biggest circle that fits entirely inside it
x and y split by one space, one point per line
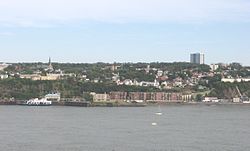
124 30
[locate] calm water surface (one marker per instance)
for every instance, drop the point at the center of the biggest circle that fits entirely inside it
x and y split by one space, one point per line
180 128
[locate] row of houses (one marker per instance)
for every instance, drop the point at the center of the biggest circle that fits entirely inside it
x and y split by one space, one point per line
50 76
142 97
36 77
232 80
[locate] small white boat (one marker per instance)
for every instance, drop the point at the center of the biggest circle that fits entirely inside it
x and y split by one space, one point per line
158 113
245 102
154 124
38 102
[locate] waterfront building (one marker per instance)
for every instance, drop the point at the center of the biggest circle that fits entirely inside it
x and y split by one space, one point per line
141 97
187 98
118 96
159 96
236 100
136 96
197 58
55 97
150 97
211 99
101 97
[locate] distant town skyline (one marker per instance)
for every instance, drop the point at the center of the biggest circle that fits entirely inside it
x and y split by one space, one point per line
81 31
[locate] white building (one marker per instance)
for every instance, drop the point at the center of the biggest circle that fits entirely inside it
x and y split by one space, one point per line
214 67
4 76
211 99
236 100
159 73
53 96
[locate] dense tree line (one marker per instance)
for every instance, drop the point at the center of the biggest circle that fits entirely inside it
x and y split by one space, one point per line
70 88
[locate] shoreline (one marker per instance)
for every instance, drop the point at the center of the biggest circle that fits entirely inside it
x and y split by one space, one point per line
117 104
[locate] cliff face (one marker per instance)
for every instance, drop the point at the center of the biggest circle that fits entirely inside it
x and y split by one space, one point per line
230 93
229 90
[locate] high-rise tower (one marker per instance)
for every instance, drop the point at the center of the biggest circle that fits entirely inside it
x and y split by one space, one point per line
198 58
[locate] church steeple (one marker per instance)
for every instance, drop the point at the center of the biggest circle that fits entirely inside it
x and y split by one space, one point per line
49 61
50 67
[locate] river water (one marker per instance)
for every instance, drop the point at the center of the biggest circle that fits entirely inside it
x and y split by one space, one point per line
180 128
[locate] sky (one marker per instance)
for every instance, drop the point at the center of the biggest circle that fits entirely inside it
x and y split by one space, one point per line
80 31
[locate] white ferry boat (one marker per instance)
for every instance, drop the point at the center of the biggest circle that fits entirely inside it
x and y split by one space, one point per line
38 102
246 102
